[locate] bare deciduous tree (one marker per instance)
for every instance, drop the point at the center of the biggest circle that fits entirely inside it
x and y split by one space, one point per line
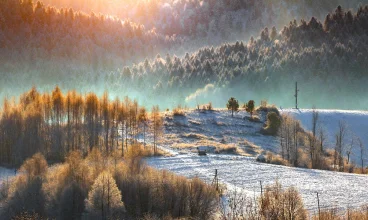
340 136
362 151
157 124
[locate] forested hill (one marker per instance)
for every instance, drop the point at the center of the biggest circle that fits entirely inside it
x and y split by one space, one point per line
328 58
35 33
42 45
208 22
74 32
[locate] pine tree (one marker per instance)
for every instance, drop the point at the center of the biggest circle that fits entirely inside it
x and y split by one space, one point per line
232 105
250 107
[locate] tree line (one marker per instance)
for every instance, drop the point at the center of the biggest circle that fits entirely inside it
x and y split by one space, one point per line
301 148
56 123
214 21
96 187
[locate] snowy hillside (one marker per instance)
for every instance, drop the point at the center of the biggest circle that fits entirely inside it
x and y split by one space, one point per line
340 190
217 129
356 122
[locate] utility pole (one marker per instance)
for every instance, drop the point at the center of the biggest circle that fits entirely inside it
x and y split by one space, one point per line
296 95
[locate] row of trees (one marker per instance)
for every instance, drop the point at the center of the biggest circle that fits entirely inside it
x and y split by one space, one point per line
97 188
56 123
233 106
296 144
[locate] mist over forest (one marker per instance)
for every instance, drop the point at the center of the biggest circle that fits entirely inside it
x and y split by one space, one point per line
183 109
188 52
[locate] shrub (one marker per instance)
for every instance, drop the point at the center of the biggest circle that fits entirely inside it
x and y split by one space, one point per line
277 203
209 106
276 159
35 166
268 108
237 206
138 151
361 213
273 124
329 214
179 111
202 199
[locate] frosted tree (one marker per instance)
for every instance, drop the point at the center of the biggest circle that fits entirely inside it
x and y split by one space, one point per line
339 148
157 126
104 199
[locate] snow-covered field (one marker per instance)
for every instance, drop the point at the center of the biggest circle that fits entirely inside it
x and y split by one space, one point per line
340 190
356 122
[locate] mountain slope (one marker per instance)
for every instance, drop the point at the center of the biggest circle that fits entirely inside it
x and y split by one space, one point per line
322 57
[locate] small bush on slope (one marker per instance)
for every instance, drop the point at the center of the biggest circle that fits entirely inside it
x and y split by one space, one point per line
273 124
275 203
278 203
179 111
335 214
